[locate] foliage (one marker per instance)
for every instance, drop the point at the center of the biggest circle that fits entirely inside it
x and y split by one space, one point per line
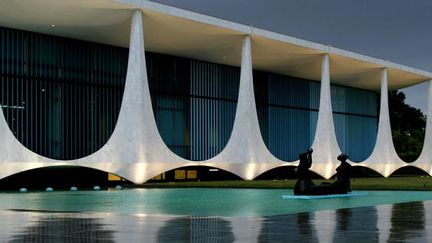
408 126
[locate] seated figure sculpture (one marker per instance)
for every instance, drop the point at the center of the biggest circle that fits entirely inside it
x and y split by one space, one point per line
305 185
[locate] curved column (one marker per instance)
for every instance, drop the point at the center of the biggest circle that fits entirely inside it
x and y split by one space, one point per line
136 139
424 161
384 158
134 151
325 144
245 153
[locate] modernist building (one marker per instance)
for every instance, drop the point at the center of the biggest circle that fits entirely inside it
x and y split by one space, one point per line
137 88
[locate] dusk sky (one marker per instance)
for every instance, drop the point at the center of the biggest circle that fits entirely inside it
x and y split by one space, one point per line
395 30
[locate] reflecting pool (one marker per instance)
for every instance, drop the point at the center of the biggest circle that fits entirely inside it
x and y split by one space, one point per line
196 202
207 215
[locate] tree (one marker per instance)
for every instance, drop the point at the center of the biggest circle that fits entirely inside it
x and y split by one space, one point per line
408 126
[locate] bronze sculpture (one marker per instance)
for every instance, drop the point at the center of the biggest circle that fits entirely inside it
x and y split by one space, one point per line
305 185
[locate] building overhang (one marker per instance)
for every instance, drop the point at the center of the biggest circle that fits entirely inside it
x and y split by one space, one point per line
183 33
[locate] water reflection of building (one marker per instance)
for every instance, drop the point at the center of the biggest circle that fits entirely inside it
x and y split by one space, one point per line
12 222
55 228
407 222
288 228
383 222
357 225
393 223
246 229
325 223
428 219
196 229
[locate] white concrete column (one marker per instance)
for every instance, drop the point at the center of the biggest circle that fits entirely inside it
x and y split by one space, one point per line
325 145
135 150
245 153
136 139
424 161
384 158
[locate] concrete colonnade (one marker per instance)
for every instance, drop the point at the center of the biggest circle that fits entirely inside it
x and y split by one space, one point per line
137 152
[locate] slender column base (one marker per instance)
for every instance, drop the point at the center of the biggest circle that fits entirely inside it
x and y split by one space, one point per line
424 161
325 145
384 158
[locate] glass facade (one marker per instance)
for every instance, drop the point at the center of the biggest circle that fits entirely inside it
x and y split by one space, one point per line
355 115
194 103
61 99
288 112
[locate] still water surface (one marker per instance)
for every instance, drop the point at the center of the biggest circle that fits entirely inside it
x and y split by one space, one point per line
196 202
213 215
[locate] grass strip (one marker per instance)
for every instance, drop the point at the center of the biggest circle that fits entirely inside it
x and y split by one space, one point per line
378 183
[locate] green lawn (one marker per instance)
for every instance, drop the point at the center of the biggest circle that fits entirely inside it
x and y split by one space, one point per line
392 183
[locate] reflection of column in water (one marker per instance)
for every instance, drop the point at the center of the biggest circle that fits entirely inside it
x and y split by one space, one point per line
288 228
428 218
407 222
196 229
343 218
13 222
136 228
65 227
304 224
383 222
325 223
358 224
245 229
